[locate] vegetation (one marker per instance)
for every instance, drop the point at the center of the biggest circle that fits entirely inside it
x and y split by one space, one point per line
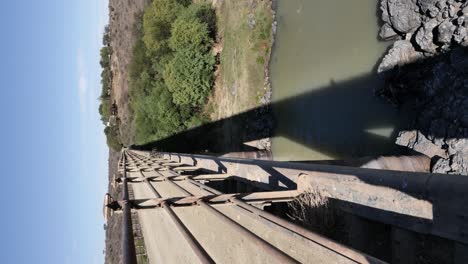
111 133
171 72
245 33
113 141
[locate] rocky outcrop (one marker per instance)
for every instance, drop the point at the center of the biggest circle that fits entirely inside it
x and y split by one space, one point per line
426 71
436 90
431 26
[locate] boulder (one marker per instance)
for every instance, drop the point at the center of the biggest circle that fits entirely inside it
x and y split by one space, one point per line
445 32
417 141
404 15
425 38
387 32
428 7
401 53
460 34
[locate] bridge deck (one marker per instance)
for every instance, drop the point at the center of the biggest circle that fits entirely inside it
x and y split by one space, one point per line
231 231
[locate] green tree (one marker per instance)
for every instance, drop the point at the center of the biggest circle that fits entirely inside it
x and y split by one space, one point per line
190 34
189 76
112 135
157 21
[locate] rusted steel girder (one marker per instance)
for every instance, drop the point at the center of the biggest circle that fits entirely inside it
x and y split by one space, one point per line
250 198
274 222
202 255
422 202
270 249
292 229
128 242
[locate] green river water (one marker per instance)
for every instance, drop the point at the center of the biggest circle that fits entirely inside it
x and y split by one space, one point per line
323 77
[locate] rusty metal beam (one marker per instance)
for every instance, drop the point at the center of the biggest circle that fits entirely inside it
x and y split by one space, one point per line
270 249
201 253
270 220
422 202
291 229
250 198
128 243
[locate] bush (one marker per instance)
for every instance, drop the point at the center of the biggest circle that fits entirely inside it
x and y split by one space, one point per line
171 71
156 116
157 21
112 136
189 76
190 34
195 28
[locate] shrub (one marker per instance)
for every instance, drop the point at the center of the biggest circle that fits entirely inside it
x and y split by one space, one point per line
157 21
189 76
190 34
171 71
112 135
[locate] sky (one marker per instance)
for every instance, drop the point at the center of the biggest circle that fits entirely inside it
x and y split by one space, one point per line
54 156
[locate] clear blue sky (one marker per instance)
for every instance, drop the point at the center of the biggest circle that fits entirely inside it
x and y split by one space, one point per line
54 157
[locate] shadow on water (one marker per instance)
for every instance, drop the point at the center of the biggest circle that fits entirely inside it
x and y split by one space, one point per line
337 120
343 119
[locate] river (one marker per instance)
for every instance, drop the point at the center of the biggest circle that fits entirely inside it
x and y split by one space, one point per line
323 77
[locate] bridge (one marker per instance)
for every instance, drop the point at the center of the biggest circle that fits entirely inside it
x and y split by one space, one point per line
205 209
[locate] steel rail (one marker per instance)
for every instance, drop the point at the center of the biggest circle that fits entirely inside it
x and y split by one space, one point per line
128 242
201 253
272 250
280 255
289 227
250 198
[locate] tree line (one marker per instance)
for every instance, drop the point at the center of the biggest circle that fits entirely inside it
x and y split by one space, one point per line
171 71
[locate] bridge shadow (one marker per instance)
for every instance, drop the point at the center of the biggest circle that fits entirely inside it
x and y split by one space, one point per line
341 120
336 120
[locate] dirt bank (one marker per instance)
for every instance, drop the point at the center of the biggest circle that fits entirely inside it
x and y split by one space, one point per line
122 18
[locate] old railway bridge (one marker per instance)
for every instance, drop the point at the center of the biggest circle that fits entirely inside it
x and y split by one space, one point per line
204 209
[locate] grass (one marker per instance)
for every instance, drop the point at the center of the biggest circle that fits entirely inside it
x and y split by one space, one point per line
244 57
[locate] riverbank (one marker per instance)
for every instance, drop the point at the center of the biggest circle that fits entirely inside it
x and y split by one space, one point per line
244 43
426 71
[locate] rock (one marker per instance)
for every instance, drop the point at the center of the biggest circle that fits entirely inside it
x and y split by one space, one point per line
459 145
445 32
441 166
459 164
460 34
387 32
404 15
251 21
428 7
425 38
384 8
401 53
417 141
